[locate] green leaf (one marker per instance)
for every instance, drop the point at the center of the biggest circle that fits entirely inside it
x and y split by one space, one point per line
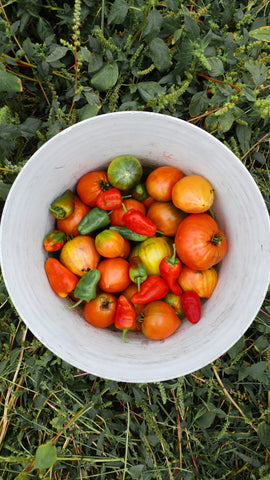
262 33
46 456
257 371
4 190
118 12
258 71
198 103
57 54
237 348
149 90
243 134
216 65
225 121
136 470
106 77
88 111
264 434
153 25
9 82
206 420
160 54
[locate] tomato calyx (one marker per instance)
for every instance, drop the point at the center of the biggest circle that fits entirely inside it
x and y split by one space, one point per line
104 185
217 238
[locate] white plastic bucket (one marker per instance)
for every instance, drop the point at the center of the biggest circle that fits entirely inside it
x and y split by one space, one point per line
156 140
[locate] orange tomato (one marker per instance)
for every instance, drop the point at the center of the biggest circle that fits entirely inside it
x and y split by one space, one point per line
100 311
80 255
69 225
175 302
193 194
114 275
91 185
109 243
126 250
116 216
160 182
166 217
203 282
160 320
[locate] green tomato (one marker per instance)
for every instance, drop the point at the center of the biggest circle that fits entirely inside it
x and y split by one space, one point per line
124 172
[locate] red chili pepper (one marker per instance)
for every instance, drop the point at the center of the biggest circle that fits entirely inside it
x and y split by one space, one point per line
139 223
62 280
192 306
109 199
54 241
125 316
153 288
170 268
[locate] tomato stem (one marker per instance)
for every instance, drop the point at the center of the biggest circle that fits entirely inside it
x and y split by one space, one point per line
217 238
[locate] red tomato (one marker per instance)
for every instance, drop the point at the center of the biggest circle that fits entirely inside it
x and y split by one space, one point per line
114 275
91 185
116 216
193 194
199 242
109 243
202 282
69 225
166 217
160 182
80 255
160 320
101 310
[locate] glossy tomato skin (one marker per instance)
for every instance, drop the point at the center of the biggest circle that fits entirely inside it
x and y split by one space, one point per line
101 310
193 194
160 320
69 225
91 185
80 255
114 275
109 243
175 302
199 242
166 217
151 251
116 217
160 182
203 282
124 172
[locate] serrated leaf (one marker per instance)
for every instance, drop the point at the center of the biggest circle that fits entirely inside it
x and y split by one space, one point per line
262 33
160 54
264 434
46 455
197 103
257 371
9 82
118 12
106 77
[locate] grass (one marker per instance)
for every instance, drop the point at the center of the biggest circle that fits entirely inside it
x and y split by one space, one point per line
204 62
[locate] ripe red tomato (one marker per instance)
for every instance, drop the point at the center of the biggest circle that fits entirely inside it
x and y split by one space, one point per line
160 320
91 185
202 282
80 255
109 243
193 194
160 182
69 225
101 310
166 217
114 275
199 242
116 217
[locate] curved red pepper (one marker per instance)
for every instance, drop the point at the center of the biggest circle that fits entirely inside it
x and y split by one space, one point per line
125 315
109 199
153 288
192 306
139 223
170 268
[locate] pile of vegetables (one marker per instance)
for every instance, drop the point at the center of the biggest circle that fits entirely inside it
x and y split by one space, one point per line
137 249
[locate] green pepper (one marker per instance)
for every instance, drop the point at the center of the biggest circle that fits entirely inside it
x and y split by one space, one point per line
86 288
137 271
127 233
139 192
63 206
93 220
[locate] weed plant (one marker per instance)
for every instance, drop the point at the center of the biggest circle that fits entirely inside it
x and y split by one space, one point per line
206 62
